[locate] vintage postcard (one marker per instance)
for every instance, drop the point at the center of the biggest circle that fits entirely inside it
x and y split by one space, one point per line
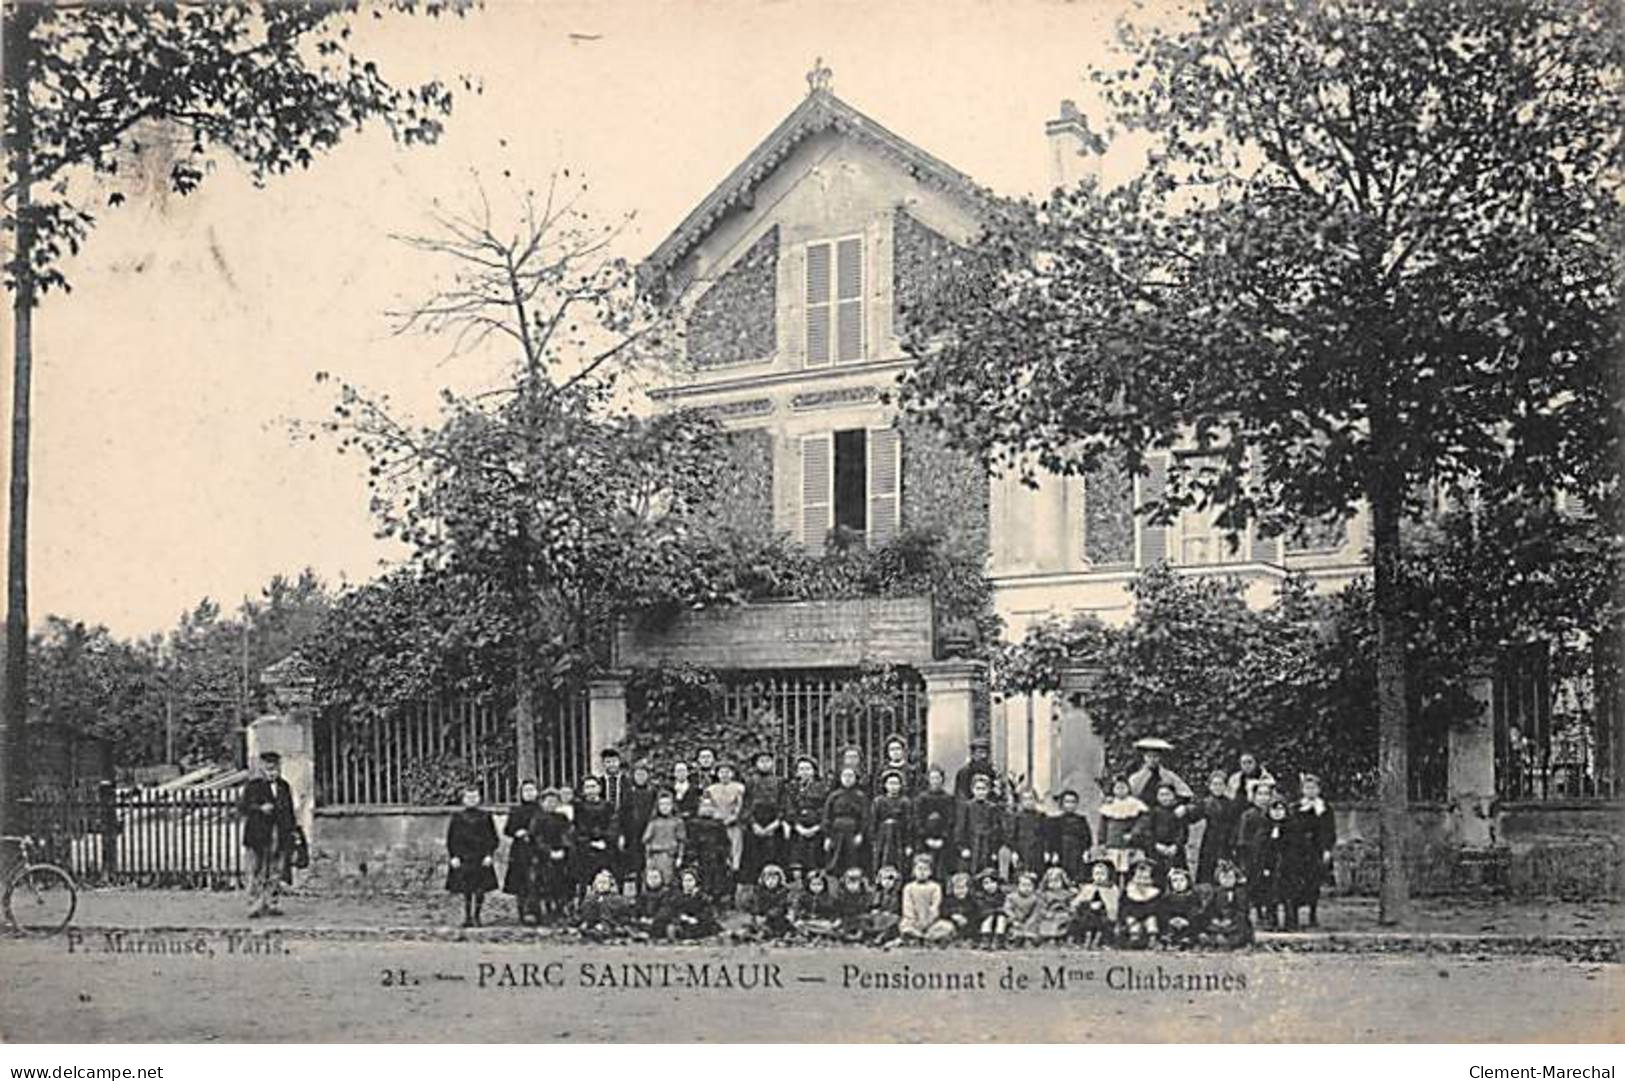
799 522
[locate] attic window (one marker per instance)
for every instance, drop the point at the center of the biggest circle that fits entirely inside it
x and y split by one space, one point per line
835 302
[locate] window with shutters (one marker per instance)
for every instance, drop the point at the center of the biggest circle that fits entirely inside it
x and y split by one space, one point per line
851 480
835 302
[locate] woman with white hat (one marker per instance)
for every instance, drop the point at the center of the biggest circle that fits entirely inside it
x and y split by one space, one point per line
1143 782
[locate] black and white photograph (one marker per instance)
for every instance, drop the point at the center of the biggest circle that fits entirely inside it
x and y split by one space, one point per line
775 522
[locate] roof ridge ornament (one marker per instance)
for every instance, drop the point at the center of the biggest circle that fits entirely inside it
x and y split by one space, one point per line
819 78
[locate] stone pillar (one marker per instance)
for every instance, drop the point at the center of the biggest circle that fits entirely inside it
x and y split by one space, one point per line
950 688
1078 757
1471 767
606 714
290 731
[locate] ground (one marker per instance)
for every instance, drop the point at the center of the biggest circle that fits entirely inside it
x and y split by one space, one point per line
347 990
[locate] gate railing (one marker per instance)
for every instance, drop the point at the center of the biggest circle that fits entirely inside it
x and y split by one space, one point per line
820 716
189 838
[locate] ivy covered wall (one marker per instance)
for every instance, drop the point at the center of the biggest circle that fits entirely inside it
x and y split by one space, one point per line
736 320
944 490
921 257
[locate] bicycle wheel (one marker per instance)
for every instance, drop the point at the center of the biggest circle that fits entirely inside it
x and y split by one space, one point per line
41 899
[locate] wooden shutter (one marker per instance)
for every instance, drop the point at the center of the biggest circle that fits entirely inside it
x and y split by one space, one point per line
818 304
849 301
817 488
885 475
1153 538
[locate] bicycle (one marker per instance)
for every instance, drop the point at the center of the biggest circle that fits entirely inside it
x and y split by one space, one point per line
40 897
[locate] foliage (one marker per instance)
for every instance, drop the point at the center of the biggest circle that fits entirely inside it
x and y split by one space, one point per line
1375 251
1293 683
273 85
675 710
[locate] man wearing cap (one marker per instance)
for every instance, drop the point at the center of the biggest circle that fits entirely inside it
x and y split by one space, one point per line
266 805
980 765
611 778
1143 782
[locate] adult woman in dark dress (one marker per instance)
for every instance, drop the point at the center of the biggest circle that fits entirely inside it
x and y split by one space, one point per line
522 880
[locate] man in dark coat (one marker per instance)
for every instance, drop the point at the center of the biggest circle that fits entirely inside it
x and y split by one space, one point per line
266 805
610 778
980 765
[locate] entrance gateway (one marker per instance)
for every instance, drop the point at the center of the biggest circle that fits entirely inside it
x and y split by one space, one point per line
796 659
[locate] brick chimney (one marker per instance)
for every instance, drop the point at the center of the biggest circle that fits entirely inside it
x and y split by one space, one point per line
1072 148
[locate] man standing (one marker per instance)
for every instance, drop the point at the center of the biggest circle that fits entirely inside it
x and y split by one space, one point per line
611 778
268 828
980 765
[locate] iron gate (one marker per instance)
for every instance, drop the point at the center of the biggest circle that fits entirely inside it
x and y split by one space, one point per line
820 714
189 838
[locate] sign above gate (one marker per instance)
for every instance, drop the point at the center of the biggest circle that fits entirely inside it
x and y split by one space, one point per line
792 634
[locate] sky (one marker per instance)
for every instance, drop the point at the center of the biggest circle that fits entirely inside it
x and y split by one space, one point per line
164 470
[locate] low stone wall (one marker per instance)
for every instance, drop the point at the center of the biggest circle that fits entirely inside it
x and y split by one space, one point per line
1571 849
362 850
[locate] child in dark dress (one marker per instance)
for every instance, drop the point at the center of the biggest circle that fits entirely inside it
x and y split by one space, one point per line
814 909
1219 814
885 906
689 913
961 913
471 844
979 830
1181 910
846 824
1068 839
1121 826
854 903
708 842
1027 830
1094 908
764 821
934 813
604 913
598 833
992 923
1227 917
770 904
523 878
1139 912
1251 830
892 816
804 815
1166 832
648 911
1310 841
555 841
1267 867
637 807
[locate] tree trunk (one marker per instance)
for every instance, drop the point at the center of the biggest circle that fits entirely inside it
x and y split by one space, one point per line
1393 735
524 723
19 52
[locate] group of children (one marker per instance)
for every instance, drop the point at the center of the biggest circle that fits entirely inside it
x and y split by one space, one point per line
918 861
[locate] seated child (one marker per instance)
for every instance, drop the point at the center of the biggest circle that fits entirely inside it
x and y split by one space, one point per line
604 912
1140 910
814 911
1022 910
1094 909
770 904
921 903
689 913
1227 919
854 904
992 922
1181 910
960 911
1120 828
886 906
1054 906
648 912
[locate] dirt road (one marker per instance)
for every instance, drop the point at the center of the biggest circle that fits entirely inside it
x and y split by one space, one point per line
204 987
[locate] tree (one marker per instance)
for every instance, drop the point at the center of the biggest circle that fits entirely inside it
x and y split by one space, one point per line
1374 253
273 85
540 510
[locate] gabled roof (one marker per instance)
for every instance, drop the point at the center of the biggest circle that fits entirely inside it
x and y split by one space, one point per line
819 111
